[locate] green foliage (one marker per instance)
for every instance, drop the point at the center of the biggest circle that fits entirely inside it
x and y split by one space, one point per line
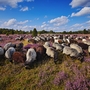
34 32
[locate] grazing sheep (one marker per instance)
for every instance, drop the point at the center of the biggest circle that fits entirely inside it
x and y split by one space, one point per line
41 51
18 57
30 57
77 47
67 50
46 44
74 53
9 53
8 45
86 42
57 46
52 53
19 46
83 46
70 51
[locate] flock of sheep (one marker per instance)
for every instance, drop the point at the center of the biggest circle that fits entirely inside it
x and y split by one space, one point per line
72 45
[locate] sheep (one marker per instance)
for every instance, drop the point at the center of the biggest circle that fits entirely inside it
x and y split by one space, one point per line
19 46
30 57
70 51
46 44
74 53
52 53
83 46
18 57
57 46
41 51
86 42
77 47
9 53
67 50
6 46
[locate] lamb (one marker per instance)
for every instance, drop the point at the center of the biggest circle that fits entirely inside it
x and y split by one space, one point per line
30 57
9 53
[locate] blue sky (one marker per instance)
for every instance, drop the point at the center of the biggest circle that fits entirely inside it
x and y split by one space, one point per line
56 15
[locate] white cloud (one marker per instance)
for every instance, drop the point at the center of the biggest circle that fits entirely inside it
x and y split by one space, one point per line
30 0
22 22
88 22
12 3
9 22
76 25
59 21
2 8
77 3
83 11
24 9
44 25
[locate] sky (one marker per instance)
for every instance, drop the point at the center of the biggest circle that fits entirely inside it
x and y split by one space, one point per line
56 15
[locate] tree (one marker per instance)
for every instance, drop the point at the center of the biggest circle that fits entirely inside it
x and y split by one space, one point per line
34 32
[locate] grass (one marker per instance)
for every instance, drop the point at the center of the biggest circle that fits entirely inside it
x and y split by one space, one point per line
42 75
67 74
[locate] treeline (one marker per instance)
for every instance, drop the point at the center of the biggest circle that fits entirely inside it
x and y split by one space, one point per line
12 31
77 32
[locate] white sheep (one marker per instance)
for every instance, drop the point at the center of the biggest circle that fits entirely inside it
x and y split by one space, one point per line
77 47
9 53
70 51
30 56
8 45
67 50
86 42
57 46
46 44
74 53
52 53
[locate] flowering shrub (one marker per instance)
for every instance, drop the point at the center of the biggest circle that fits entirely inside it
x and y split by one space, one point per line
60 77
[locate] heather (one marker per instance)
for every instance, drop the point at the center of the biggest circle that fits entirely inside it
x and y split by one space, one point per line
67 74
